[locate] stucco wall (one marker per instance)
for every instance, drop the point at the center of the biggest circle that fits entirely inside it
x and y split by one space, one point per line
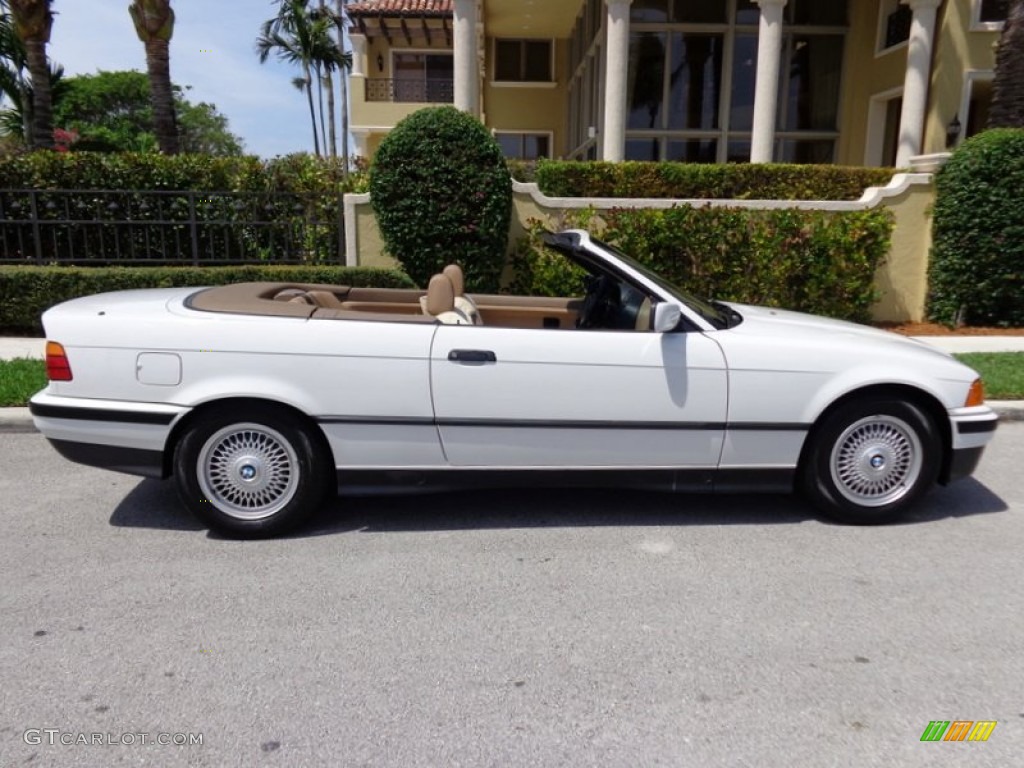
527 108
866 73
959 50
902 280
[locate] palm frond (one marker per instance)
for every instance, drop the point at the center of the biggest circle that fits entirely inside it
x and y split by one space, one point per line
12 123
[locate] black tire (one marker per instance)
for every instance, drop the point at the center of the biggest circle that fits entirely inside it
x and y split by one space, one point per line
250 474
871 459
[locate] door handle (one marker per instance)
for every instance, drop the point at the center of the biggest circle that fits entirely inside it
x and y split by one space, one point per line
472 356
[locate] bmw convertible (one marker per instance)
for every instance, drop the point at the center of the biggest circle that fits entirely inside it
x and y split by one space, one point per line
260 399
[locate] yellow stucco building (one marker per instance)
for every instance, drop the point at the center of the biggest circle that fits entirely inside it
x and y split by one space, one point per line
856 82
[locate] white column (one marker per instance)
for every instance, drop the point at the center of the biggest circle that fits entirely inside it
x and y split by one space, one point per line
360 140
358 54
467 80
766 91
915 84
616 72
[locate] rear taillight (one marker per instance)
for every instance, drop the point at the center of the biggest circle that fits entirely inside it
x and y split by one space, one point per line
57 366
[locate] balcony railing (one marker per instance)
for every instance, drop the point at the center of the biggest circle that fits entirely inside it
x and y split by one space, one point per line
411 91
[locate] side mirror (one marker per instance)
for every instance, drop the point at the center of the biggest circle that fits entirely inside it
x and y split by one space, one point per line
667 317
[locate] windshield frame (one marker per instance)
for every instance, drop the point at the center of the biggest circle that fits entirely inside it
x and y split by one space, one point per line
711 315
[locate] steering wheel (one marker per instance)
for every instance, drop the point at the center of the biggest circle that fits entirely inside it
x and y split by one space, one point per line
600 303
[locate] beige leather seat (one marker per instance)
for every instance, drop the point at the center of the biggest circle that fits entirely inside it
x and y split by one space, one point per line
325 299
462 302
440 302
294 296
643 315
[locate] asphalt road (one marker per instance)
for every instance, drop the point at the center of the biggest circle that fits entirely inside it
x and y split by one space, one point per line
512 628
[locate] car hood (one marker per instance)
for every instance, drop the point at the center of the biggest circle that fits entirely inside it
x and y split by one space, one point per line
810 330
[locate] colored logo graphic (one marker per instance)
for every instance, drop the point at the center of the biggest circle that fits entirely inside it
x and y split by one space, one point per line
958 730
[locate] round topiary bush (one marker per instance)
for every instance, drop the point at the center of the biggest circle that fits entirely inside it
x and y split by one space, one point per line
976 276
442 193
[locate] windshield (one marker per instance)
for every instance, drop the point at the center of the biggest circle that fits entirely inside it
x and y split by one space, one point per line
718 314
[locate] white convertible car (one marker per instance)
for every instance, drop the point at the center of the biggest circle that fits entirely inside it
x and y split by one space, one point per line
262 398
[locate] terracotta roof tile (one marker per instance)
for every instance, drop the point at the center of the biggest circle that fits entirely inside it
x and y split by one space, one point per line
400 8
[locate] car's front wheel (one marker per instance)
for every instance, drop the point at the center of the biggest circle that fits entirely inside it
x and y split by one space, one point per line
249 475
870 459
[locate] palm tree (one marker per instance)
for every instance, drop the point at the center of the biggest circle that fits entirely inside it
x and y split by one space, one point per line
154 24
298 37
332 58
15 87
294 48
1007 109
329 85
33 21
346 67
335 59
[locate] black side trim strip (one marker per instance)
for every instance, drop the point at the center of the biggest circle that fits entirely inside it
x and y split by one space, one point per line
581 424
976 427
670 480
411 421
133 461
766 426
457 479
98 414
567 424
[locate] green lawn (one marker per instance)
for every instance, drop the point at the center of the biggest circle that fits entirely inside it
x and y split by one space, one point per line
20 379
1003 373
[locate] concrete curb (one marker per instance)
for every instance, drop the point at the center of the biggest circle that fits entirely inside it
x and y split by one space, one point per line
19 420
16 420
1008 410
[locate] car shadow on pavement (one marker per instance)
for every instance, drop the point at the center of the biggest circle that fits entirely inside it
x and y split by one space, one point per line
154 504
523 508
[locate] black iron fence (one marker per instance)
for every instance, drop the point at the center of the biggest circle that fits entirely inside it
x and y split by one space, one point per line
90 227
411 90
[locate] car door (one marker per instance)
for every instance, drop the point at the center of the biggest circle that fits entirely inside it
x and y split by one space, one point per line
512 397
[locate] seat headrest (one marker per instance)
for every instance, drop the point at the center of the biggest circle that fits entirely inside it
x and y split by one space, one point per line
454 273
440 295
287 294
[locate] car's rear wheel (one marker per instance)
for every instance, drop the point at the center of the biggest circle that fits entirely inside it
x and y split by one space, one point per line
870 459
249 475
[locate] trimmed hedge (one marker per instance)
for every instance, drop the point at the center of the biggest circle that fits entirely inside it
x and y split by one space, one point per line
26 292
976 275
697 181
522 170
812 261
298 173
441 191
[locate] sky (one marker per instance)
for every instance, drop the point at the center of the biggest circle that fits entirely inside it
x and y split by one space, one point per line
212 51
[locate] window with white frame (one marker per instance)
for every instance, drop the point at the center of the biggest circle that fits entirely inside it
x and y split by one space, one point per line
524 146
993 10
523 61
989 15
977 100
894 21
690 88
421 77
